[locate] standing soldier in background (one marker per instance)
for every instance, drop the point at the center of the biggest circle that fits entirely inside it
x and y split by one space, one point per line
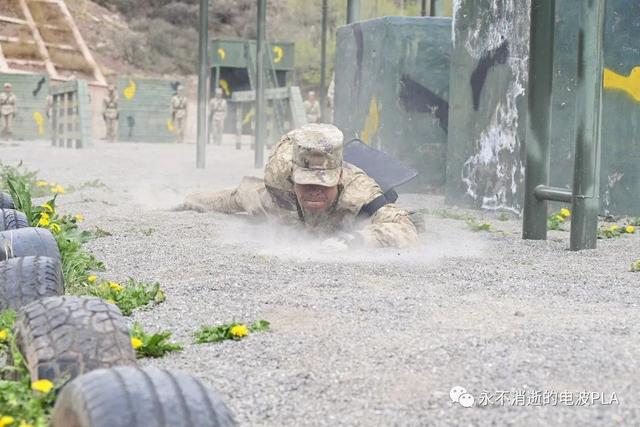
7 110
179 112
312 108
217 114
110 113
330 97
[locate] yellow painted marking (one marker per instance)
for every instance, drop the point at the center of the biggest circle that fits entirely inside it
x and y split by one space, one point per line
278 54
170 126
221 53
225 86
247 118
130 91
372 122
39 122
629 84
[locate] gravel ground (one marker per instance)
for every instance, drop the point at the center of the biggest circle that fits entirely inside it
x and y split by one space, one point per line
376 337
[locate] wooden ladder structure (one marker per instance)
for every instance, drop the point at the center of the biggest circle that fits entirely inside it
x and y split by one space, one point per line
68 25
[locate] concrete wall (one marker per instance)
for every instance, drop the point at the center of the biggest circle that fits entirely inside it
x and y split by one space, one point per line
392 84
31 92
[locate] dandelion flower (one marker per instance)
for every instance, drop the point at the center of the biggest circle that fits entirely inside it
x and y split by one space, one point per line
630 229
79 217
55 228
41 183
58 189
110 301
116 286
6 421
25 424
47 207
43 386
44 220
4 334
565 213
136 343
92 278
239 331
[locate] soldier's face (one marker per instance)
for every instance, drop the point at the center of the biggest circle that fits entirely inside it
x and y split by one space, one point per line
315 198
7 89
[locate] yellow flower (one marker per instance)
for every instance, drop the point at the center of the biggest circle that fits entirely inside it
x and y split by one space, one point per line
41 183
566 213
613 228
110 301
6 421
4 334
116 286
47 207
55 228
79 217
43 386
239 331
92 278
44 220
136 343
630 229
25 424
58 189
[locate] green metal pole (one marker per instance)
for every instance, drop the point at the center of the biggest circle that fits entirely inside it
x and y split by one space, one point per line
353 11
323 62
260 119
586 178
432 8
534 223
423 7
203 84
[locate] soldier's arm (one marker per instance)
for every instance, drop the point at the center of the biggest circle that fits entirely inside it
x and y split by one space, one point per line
390 226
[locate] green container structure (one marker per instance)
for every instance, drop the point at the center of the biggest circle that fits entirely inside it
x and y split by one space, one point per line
31 90
392 90
620 167
145 109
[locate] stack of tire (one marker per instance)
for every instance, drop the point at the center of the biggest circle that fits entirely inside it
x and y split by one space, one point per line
84 342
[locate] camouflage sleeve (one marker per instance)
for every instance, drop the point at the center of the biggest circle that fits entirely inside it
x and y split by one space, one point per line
390 226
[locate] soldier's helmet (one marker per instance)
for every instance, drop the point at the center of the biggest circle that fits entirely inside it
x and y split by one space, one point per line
219 91
317 154
111 87
7 86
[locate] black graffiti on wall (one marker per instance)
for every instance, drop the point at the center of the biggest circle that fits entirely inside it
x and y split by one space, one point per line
490 58
414 97
131 122
41 83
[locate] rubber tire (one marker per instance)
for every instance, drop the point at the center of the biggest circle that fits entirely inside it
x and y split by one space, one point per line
27 279
63 337
6 202
31 241
11 219
139 397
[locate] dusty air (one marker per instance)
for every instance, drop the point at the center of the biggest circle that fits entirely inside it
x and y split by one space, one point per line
319 213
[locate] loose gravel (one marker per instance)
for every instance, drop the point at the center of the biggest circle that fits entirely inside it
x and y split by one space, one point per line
373 337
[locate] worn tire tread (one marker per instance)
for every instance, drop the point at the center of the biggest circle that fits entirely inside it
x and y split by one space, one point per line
27 279
11 219
6 202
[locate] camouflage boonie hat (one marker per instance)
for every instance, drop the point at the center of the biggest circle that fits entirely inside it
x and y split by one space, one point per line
317 154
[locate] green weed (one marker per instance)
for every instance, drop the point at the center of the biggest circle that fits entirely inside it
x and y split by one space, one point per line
152 345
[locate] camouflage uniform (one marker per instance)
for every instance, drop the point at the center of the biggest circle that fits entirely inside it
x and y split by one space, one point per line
7 110
179 113
110 113
313 155
312 109
217 114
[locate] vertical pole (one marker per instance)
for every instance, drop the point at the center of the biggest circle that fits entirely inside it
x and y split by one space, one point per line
353 11
432 7
423 7
586 178
203 84
534 223
260 125
323 62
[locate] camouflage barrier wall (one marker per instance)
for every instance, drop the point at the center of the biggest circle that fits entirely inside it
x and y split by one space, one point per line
392 89
145 109
488 104
31 92
487 116
620 177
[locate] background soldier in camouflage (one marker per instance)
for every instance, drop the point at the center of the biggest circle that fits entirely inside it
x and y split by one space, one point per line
7 110
179 112
306 182
217 114
110 113
312 108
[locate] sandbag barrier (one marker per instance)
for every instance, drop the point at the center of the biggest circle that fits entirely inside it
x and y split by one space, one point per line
83 344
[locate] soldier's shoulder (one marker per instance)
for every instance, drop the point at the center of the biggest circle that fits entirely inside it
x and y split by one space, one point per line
358 188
